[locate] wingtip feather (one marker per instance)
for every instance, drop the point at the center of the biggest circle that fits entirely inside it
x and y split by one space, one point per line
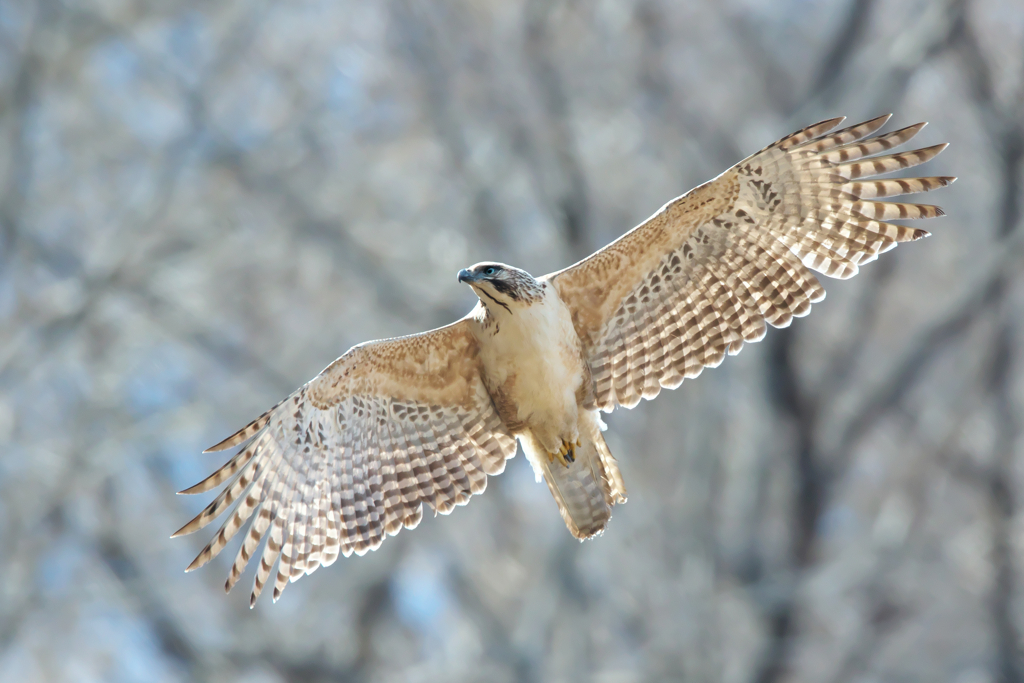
823 127
245 433
183 531
224 445
193 525
194 489
202 558
914 129
878 121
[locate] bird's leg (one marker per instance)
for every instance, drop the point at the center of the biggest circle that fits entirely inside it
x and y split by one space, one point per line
567 453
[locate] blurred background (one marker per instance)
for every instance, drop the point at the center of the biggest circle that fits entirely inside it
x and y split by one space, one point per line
202 204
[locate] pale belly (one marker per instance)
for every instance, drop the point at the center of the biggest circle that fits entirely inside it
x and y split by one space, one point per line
533 368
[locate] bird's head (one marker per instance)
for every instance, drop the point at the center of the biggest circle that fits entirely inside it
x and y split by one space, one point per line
502 287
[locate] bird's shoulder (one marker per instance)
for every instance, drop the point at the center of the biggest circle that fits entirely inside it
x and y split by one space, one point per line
440 366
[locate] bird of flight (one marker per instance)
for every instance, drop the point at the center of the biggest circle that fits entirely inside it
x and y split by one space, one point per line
356 452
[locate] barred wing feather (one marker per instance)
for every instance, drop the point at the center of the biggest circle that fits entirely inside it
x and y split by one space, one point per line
354 454
711 268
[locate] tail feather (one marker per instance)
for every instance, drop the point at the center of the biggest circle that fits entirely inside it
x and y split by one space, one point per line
587 489
615 487
578 492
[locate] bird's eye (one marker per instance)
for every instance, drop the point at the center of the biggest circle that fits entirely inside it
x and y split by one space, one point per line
490 271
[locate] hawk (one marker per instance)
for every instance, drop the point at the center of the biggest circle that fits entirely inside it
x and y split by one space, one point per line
354 454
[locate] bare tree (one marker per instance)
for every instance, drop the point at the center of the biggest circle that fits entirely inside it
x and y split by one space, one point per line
201 205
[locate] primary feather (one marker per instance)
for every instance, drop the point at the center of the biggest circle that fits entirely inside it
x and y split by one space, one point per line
704 274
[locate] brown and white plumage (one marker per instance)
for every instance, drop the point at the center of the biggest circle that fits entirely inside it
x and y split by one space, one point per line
704 274
355 453
392 425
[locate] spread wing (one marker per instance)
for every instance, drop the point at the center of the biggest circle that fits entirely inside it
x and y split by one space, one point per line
705 273
355 453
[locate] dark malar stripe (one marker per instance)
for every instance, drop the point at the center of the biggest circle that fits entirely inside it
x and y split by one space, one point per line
505 288
496 301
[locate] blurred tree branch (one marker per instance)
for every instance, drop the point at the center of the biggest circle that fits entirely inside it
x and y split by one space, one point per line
572 200
818 471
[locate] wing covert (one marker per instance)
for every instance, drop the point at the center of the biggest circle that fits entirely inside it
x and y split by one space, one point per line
712 267
354 454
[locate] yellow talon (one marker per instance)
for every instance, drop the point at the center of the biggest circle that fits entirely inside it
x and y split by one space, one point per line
566 453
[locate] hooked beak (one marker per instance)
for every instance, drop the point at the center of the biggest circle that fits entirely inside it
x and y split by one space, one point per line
465 276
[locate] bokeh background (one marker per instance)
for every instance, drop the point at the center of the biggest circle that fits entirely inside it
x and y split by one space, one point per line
204 203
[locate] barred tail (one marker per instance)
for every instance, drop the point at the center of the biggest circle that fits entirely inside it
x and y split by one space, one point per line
587 489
